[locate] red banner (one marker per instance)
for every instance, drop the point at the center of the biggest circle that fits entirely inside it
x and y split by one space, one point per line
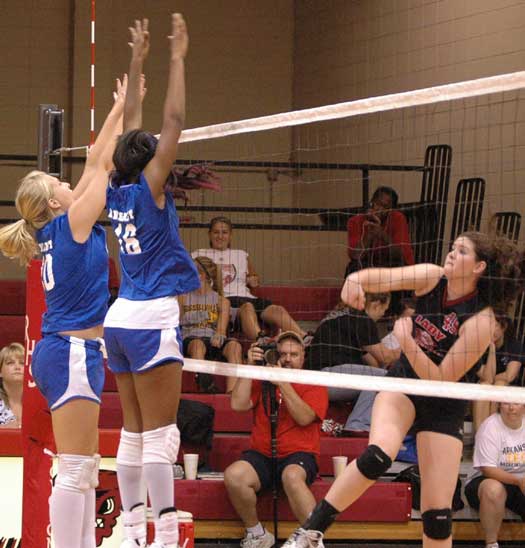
36 427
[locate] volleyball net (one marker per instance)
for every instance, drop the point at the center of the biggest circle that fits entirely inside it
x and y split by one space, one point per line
453 156
290 182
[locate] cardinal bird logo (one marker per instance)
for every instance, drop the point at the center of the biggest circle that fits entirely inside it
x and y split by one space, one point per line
108 504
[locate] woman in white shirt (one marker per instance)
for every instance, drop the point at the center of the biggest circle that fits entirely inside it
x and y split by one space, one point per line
238 279
499 459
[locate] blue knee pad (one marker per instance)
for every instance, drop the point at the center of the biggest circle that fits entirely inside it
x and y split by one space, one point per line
437 524
373 462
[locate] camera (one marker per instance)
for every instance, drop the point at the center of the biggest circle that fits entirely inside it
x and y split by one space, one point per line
270 354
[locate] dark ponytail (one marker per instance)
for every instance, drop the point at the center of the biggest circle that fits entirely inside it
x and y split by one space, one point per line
132 154
502 280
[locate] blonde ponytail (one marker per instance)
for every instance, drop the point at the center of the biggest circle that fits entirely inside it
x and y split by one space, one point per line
17 240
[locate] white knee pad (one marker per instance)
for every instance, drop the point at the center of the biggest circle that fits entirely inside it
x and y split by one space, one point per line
77 473
130 449
161 445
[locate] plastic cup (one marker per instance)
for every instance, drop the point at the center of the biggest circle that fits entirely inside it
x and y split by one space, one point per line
191 463
339 465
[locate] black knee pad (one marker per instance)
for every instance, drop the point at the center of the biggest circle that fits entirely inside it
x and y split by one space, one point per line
373 462
437 524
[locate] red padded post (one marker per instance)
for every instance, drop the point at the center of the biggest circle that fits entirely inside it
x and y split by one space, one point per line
36 427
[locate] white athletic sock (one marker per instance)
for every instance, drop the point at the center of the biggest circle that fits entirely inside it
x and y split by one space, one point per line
256 530
159 479
66 511
134 524
492 545
89 522
130 485
167 530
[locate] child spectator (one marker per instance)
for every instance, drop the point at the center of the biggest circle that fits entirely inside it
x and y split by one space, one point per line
205 315
11 385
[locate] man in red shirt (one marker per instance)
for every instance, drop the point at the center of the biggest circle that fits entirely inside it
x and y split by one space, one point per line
301 410
379 237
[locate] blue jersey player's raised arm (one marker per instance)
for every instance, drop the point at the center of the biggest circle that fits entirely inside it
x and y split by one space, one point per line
141 329
61 225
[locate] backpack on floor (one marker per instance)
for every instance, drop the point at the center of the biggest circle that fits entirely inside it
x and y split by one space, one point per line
411 475
195 422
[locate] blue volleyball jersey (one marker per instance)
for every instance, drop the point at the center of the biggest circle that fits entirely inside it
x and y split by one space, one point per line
74 276
154 262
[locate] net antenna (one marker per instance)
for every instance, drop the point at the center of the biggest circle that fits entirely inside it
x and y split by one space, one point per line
50 136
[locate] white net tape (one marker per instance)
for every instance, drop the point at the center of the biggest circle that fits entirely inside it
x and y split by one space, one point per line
383 103
417 387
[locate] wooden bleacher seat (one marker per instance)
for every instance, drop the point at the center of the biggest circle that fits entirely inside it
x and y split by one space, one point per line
383 502
304 303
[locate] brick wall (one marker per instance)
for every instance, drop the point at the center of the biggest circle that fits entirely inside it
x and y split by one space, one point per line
249 59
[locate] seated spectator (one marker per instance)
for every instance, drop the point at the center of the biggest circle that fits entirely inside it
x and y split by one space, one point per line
350 336
11 385
301 410
238 279
388 350
502 366
205 314
509 353
499 459
379 237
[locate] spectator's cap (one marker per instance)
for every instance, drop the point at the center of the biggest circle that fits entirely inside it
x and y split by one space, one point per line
290 335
